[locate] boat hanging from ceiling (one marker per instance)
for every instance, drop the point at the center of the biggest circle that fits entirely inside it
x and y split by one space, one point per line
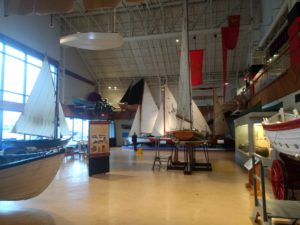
283 131
27 167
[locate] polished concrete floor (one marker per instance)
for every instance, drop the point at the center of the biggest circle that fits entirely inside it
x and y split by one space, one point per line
133 194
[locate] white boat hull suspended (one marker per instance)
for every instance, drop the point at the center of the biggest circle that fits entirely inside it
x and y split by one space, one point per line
283 131
29 177
28 166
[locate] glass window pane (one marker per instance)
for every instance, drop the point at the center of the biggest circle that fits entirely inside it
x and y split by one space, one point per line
85 130
12 97
34 61
13 77
70 124
112 130
32 74
53 69
1 46
14 52
77 129
1 55
9 120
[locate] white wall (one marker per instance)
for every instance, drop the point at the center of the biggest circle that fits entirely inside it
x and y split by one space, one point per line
75 88
34 32
73 62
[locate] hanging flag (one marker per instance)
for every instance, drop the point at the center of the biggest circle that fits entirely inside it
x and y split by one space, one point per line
230 36
196 64
234 21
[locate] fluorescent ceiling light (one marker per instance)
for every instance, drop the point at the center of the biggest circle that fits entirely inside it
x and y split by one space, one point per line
93 40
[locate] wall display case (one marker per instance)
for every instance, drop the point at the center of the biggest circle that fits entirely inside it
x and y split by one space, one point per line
250 137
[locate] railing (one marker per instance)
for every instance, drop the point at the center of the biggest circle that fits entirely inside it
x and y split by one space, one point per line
272 71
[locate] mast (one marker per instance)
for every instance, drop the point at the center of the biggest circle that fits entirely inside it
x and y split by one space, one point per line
188 61
56 112
164 107
184 83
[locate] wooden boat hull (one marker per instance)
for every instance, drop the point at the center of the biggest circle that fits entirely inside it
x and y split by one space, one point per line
284 136
27 178
187 135
162 140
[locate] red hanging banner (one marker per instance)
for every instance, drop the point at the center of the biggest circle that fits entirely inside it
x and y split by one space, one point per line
196 64
230 36
234 21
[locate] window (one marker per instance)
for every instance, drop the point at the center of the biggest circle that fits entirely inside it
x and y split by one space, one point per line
19 70
13 79
9 120
112 133
77 129
14 52
85 134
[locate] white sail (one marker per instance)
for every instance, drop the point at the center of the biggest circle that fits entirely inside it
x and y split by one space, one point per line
199 122
166 118
146 114
184 103
38 114
220 124
149 111
63 126
135 128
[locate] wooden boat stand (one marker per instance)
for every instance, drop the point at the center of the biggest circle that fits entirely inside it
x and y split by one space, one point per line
158 158
190 163
269 209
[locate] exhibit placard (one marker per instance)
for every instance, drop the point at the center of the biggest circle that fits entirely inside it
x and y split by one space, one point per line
98 138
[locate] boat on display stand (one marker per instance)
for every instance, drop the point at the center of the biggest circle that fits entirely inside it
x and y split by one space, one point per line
27 167
283 132
191 124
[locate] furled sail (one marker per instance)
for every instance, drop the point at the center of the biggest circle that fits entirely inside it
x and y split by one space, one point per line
146 114
38 115
184 103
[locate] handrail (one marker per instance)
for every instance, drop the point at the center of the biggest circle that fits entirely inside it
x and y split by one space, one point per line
261 179
270 66
272 71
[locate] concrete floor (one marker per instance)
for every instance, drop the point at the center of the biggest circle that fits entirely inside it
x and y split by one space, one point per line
133 194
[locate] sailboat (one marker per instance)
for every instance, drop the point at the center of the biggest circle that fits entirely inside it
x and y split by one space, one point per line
27 167
186 129
166 121
145 116
133 96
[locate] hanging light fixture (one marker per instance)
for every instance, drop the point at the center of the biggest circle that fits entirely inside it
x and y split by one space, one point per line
93 40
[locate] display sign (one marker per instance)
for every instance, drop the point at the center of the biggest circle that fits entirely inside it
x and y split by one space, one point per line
249 165
98 138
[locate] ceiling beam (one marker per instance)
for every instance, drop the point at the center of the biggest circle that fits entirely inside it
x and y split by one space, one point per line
178 34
